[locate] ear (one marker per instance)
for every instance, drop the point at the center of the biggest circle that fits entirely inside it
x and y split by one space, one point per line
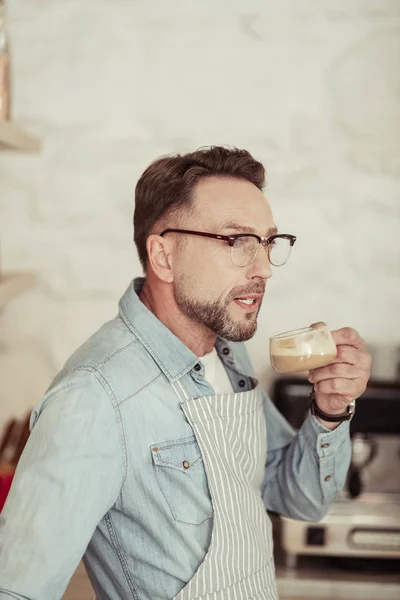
159 252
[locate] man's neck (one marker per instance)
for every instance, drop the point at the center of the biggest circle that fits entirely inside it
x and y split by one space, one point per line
159 299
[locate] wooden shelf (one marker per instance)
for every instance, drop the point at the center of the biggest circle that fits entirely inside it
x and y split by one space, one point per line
14 284
15 138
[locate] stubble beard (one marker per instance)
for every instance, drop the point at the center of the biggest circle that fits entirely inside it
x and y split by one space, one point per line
215 316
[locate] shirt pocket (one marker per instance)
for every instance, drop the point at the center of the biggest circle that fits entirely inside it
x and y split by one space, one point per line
180 474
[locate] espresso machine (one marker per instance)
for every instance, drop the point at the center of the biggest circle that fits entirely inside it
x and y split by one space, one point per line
364 521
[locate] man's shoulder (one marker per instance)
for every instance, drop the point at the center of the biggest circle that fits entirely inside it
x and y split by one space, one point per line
116 356
109 340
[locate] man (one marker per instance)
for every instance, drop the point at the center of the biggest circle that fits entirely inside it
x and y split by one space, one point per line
154 453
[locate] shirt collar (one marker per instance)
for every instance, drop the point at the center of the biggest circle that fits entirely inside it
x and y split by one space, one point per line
173 357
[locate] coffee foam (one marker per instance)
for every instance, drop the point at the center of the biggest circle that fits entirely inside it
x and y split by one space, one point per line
303 346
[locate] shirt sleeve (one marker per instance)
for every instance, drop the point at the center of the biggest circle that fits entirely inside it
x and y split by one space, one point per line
68 477
305 470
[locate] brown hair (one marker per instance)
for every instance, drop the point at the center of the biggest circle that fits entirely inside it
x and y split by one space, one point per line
167 184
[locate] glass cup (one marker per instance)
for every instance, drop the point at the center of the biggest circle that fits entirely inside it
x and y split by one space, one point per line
302 349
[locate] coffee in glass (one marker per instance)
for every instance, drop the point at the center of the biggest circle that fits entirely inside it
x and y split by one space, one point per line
302 349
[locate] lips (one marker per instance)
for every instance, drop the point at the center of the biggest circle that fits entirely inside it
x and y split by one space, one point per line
249 302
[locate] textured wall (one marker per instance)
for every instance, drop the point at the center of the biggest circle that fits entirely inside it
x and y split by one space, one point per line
312 88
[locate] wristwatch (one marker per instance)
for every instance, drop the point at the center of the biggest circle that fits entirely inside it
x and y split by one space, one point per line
346 416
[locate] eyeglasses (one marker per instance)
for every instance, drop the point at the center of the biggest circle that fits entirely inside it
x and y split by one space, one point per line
244 246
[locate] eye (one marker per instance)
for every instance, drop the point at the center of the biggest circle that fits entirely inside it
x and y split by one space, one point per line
246 241
241 242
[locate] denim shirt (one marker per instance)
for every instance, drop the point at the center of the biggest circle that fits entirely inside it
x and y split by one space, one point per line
89 483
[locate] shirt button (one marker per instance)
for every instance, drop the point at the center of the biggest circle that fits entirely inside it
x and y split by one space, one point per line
325 446
328 478
197 367
242 383
225 351
186 464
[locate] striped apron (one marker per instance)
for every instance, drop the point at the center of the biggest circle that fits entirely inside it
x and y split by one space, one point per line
231 433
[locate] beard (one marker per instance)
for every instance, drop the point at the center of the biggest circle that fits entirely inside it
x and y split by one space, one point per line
215 316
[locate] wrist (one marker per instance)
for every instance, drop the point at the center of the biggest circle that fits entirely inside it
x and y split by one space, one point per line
331 418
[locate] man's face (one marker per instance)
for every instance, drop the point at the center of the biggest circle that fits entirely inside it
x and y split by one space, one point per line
208 287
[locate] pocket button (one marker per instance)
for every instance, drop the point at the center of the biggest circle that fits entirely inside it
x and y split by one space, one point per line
186 464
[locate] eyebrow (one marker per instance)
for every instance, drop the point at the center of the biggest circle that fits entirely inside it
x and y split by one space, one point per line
246 229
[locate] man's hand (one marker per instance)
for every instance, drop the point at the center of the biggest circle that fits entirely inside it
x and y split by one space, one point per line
346 378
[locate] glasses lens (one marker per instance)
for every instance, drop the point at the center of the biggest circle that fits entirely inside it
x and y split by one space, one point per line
279 251
244 250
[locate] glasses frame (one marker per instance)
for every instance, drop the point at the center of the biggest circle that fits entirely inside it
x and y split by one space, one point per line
265 242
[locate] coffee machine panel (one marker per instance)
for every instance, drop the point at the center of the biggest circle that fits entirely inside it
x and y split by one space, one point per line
364 521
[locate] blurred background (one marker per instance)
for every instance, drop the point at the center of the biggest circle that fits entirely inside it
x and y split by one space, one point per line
99 89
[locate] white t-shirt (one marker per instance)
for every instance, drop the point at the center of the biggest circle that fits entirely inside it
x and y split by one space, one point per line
215 374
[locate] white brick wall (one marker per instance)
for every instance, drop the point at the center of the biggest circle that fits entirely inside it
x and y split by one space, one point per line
312 88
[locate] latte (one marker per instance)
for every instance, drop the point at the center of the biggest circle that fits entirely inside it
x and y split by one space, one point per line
302 350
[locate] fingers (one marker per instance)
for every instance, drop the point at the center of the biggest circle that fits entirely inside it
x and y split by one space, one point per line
349 364
348 336
352 356
346 378
346 355
340 370
347 388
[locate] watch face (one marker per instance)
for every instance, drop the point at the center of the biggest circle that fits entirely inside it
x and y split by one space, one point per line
351 407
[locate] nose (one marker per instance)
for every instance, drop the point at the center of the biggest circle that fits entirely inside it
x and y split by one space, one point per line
260 268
